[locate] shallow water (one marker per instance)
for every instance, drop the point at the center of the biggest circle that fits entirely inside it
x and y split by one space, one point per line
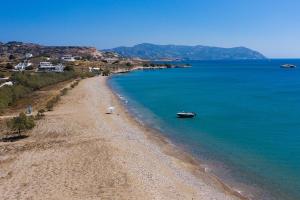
247 127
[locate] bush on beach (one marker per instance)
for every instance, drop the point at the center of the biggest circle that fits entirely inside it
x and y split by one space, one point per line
50 104
40 114
21 123
64 91
106 72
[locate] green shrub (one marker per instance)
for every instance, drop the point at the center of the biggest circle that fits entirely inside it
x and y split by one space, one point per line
2 75
75 84
11 57
40 114
146 65
6 96
50 104
69 68
21 123
64 91
9 66
106 72
42 111
86 75
30 67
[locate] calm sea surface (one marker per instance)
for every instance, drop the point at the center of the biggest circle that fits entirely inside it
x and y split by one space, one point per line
247 130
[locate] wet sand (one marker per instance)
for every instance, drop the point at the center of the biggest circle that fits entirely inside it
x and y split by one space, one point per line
79 152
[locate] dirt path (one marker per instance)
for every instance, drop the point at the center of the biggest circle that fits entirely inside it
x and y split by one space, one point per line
79 152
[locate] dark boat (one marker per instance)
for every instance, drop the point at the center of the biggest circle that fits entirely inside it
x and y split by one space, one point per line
186 115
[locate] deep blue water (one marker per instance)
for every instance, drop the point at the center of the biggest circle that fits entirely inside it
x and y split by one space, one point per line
248 124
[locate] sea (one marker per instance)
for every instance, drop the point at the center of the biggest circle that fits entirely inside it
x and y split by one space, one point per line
247 128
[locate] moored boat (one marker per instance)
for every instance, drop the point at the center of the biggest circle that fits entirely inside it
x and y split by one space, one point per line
186 114
288 66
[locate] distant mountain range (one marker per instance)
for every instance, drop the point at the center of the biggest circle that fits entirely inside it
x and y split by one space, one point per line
182 52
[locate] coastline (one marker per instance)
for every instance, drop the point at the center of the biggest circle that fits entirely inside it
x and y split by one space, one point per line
120 71
190 163
79 152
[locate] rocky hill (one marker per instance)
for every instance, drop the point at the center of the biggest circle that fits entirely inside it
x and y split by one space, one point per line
19 49
181 52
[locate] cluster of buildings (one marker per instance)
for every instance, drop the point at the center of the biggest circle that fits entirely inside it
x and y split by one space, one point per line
44 66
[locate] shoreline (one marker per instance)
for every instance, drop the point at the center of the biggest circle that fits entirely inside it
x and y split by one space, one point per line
78 151
194 164
120 71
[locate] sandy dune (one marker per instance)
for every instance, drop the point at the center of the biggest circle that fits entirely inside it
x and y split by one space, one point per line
79 152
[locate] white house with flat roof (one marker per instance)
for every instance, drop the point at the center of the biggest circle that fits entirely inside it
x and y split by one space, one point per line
68 58
28 55
94 69
49 67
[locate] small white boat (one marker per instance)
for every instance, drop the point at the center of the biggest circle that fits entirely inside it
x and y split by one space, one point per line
288 66
186 114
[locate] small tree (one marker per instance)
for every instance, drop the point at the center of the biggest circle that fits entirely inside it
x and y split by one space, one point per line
106 72
146 65
40 114
64 91
21 123
50 105
2 75
29 67
11 57
69 68
9 66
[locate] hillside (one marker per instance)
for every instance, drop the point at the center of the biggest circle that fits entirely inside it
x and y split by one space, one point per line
19 49
181 52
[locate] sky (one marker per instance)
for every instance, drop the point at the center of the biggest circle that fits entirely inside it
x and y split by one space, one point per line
271 27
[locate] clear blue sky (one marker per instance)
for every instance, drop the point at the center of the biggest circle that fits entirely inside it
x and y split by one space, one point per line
269 26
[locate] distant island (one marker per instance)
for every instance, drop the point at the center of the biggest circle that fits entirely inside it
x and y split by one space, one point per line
182 52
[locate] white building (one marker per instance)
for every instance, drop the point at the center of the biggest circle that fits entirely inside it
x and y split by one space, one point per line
68 58
28 55
94 69
8 83
111 60
49 67
22 66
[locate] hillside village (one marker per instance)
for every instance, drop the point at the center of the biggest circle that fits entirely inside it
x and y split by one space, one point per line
18 56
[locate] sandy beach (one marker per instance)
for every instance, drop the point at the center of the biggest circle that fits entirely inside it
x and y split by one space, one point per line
79 152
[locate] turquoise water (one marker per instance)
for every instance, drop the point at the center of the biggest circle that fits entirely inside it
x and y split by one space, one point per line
248 125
